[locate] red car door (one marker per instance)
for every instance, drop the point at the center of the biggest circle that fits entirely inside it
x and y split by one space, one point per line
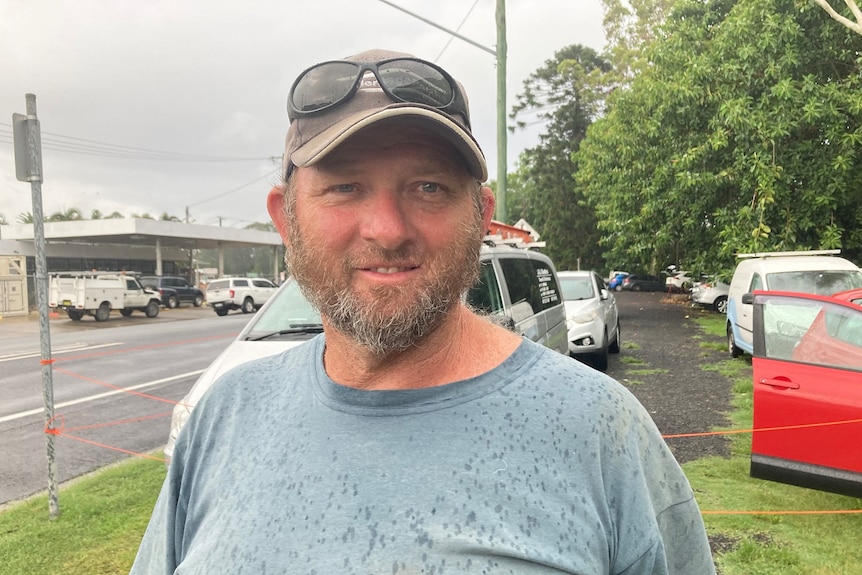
807 367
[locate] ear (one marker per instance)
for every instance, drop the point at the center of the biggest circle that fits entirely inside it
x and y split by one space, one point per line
275 206
489 202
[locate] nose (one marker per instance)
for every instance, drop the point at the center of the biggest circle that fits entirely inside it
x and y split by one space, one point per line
386 220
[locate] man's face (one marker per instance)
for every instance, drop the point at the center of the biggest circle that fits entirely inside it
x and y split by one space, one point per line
384 234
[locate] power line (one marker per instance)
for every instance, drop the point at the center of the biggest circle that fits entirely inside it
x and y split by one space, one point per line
236 189
73 145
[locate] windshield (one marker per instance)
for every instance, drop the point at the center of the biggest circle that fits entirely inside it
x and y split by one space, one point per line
576 288
288 309
821 282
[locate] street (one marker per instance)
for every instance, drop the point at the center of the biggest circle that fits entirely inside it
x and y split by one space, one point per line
115 384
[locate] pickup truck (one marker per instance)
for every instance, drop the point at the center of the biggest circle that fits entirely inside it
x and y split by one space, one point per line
174 290
97 293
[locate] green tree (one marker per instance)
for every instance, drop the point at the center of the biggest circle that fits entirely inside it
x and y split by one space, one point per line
115 216
67 215
96 214
561 95
741 136
25 218
855 24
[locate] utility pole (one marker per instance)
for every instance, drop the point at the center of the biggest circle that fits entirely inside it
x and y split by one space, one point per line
28 168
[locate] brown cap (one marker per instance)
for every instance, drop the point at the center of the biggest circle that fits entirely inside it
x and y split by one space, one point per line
310 138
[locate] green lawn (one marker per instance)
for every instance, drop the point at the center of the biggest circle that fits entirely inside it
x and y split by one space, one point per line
104 516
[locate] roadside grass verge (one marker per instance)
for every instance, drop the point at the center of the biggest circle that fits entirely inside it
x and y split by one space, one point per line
102 519
767 543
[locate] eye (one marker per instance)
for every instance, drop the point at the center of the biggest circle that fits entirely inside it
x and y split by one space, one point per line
343 188
429 187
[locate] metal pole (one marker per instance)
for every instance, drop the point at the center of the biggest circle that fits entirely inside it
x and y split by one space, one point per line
34 153
502 134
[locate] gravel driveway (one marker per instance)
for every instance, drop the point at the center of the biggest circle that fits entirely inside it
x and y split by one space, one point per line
681 397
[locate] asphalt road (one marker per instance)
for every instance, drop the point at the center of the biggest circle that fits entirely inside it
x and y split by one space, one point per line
115 384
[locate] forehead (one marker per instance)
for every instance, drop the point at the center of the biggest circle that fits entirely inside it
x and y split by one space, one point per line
390 139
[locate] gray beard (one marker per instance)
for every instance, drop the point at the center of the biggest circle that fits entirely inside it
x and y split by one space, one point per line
397 331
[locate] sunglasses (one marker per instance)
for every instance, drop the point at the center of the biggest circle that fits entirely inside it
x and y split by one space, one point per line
329 84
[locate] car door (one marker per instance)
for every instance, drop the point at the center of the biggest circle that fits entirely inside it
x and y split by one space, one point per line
134 295
807 367
607 304
263 290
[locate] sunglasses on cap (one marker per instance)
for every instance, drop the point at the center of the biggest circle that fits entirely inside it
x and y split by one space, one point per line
329 84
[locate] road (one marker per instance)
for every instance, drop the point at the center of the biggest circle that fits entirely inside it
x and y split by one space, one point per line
115 384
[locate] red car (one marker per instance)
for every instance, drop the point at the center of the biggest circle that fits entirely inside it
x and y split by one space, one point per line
808 390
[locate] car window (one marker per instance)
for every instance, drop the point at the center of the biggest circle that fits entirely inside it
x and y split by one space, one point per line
577 288
530 282
240 283
816 282
485 296
218 284
149 282
263 283
131 284
287 309
756 283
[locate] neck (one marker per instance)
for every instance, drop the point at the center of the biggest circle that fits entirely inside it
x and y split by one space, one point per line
462 346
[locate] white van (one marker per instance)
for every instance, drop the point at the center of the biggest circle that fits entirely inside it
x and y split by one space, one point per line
816 272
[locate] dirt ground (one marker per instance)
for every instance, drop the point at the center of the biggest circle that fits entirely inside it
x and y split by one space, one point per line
680 396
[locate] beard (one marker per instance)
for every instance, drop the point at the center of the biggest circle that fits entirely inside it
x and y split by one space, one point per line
387 319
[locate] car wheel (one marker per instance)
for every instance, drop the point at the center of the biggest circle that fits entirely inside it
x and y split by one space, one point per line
172 302
720 304
600 360
125 312
74 314
247 305
618 288
731 343
199 301
104 312
616 344
152 309
221 312
637 287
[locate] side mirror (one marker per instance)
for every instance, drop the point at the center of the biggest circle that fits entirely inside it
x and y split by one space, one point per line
502 320
604 294
748 298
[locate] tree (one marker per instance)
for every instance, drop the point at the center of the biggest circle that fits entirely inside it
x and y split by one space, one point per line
166 217
68 215
854 25
3 221
742 135
115 216
25 218
560 94
96 215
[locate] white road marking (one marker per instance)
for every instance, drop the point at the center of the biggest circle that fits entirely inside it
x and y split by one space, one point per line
78 347
138 387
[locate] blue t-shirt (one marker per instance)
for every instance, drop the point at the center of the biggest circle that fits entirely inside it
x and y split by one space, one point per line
541 465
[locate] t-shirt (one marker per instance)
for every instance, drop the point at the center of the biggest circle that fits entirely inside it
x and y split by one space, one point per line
541 465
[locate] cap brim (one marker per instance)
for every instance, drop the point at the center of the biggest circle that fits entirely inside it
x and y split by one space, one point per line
323 143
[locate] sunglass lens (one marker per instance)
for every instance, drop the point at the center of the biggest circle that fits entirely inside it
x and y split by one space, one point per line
323 86
414 81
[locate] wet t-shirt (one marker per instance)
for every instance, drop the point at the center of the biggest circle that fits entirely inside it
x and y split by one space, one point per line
541 465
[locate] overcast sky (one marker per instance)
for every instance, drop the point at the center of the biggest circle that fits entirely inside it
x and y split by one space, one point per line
121 83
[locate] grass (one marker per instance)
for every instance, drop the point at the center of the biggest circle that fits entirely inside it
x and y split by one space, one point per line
101 522
765 543
103 516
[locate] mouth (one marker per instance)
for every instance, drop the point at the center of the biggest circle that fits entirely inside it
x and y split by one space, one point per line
391 270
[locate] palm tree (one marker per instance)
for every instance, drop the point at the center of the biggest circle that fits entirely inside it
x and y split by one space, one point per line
166 217
96 215
3 221
70 215
115 216
25 218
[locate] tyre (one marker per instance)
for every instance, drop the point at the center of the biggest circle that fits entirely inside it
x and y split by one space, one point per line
600 359
221 312
731 343
618 287
74 314
152 309
104 312
172 302
637 287
247 305
615 345
199 301
720 304
125 312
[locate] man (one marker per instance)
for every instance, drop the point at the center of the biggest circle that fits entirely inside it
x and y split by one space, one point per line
413 436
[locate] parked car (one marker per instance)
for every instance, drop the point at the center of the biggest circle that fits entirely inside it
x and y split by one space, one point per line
614 274
642 282
247 294
818 272
517 288
807 367
711 293
174 290
678 282
616 283
592 318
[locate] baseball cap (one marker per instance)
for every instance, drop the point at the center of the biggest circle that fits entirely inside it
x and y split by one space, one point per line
314 134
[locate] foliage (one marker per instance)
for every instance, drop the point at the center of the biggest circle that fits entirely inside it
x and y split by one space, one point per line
851 24
542 191
740 136
68 215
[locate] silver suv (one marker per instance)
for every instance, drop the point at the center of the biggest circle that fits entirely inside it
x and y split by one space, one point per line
247 294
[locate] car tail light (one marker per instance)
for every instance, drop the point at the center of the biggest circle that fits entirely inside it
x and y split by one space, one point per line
231 294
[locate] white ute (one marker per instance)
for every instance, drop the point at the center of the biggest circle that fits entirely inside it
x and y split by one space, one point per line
97 293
